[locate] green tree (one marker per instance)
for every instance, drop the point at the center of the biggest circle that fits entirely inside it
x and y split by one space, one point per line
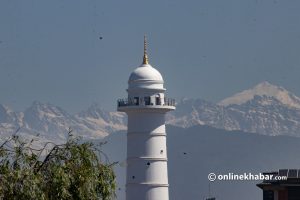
73 170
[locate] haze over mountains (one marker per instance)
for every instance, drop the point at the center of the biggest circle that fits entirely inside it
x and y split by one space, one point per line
265 109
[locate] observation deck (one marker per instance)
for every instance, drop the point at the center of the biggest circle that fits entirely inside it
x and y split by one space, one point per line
146 103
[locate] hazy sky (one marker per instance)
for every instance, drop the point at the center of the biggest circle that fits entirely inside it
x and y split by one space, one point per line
50 50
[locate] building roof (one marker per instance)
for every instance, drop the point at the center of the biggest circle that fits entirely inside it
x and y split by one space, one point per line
292 179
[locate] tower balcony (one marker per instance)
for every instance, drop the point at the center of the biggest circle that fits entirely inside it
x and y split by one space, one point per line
146 103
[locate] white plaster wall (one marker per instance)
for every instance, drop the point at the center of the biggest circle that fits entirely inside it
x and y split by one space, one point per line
147 171
146 145
150 193
146 122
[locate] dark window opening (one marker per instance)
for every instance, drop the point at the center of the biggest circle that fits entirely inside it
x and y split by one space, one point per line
148 163
133 177
161 151
136 101
268 195
293 193
157 101
147 100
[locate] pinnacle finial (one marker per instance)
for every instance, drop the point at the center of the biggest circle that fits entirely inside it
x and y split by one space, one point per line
145 58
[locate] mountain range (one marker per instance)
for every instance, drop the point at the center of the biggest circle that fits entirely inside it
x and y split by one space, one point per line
264 109
52 123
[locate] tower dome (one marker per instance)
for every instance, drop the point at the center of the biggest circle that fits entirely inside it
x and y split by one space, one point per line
145 73
146 76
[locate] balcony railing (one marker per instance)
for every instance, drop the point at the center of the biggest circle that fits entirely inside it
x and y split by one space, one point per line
137 102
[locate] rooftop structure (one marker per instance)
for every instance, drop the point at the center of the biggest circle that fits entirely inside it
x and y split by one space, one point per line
284 185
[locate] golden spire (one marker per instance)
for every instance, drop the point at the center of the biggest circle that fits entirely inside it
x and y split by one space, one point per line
145 58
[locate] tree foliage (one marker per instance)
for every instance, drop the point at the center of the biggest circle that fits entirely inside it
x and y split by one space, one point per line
72 171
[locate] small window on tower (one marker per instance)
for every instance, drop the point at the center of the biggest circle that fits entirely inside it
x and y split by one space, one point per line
136 101
157 101
148 163
147 100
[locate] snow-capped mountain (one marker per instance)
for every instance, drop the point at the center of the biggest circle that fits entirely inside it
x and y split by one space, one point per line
9 120
263 89
52 123
191 112
265 109
96 121
47 120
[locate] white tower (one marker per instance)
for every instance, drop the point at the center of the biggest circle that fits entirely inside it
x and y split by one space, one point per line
146 106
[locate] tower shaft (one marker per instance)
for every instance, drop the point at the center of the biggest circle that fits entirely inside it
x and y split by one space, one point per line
147 173
146 106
